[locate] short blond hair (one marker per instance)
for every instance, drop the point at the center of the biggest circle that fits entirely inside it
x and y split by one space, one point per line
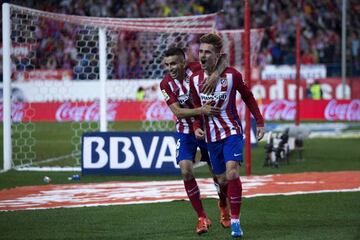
213 39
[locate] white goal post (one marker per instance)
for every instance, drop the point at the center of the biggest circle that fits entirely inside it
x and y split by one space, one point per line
20 26
63 73
6 87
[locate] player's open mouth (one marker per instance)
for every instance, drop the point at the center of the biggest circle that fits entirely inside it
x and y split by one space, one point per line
203 61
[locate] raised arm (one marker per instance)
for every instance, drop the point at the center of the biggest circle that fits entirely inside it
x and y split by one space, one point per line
210 83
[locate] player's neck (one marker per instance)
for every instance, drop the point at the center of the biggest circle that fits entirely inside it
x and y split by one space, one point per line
210 70
181 77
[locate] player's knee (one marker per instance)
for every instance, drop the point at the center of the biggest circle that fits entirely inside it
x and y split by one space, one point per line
221 179
232 174
186 168
187 174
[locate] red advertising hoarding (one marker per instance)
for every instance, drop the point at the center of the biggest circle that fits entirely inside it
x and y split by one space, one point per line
327 110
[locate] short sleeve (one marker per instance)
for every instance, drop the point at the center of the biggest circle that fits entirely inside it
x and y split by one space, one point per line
168 94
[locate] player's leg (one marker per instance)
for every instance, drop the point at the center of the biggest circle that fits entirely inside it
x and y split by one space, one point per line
185 155
235 196
221 188
233 157
218 166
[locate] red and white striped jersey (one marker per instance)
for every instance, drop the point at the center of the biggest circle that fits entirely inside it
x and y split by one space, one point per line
175 90
228 122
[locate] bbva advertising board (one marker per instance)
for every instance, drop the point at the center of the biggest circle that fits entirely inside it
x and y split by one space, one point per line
132 153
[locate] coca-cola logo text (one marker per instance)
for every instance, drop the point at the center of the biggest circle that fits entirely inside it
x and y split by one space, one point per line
280 110
69 111
349 111
17 111
158 110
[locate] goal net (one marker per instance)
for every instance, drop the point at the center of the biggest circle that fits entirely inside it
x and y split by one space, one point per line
63 70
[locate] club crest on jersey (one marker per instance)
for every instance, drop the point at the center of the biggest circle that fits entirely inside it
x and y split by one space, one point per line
166 96
183 98
223 82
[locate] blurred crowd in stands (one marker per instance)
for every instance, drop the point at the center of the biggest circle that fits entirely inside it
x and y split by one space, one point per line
320 36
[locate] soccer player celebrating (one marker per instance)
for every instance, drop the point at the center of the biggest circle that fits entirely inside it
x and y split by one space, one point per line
223 132
175 88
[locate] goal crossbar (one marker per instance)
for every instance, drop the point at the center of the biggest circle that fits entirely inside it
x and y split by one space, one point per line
187 24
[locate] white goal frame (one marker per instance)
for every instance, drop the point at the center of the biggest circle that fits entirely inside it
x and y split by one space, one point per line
7 84
102 23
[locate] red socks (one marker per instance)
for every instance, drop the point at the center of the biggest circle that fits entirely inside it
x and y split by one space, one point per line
222 192
193 193
234 194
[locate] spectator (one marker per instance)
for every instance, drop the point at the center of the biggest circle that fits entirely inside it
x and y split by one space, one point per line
122 59
51 63
316 92
309 82
290 57
355 52
320 21
193 49
140 94
264 58
276 54
308 57
151 92
134 68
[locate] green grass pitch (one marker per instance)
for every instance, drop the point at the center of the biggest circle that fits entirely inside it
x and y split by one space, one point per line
310 216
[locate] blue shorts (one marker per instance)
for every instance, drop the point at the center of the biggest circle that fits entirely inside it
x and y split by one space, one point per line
230 148
186 148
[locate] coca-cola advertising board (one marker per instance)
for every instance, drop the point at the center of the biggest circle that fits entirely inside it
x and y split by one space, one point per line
327 110
333 110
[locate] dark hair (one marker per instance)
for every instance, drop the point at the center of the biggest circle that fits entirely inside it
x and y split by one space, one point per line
213 39
174 51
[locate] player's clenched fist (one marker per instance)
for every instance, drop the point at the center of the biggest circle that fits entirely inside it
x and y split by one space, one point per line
199 133
260 131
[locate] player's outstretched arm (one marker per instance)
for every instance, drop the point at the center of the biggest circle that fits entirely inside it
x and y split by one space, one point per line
248 97
180 112
210 83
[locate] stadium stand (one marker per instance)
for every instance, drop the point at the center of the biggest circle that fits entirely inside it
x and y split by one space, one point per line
320 21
